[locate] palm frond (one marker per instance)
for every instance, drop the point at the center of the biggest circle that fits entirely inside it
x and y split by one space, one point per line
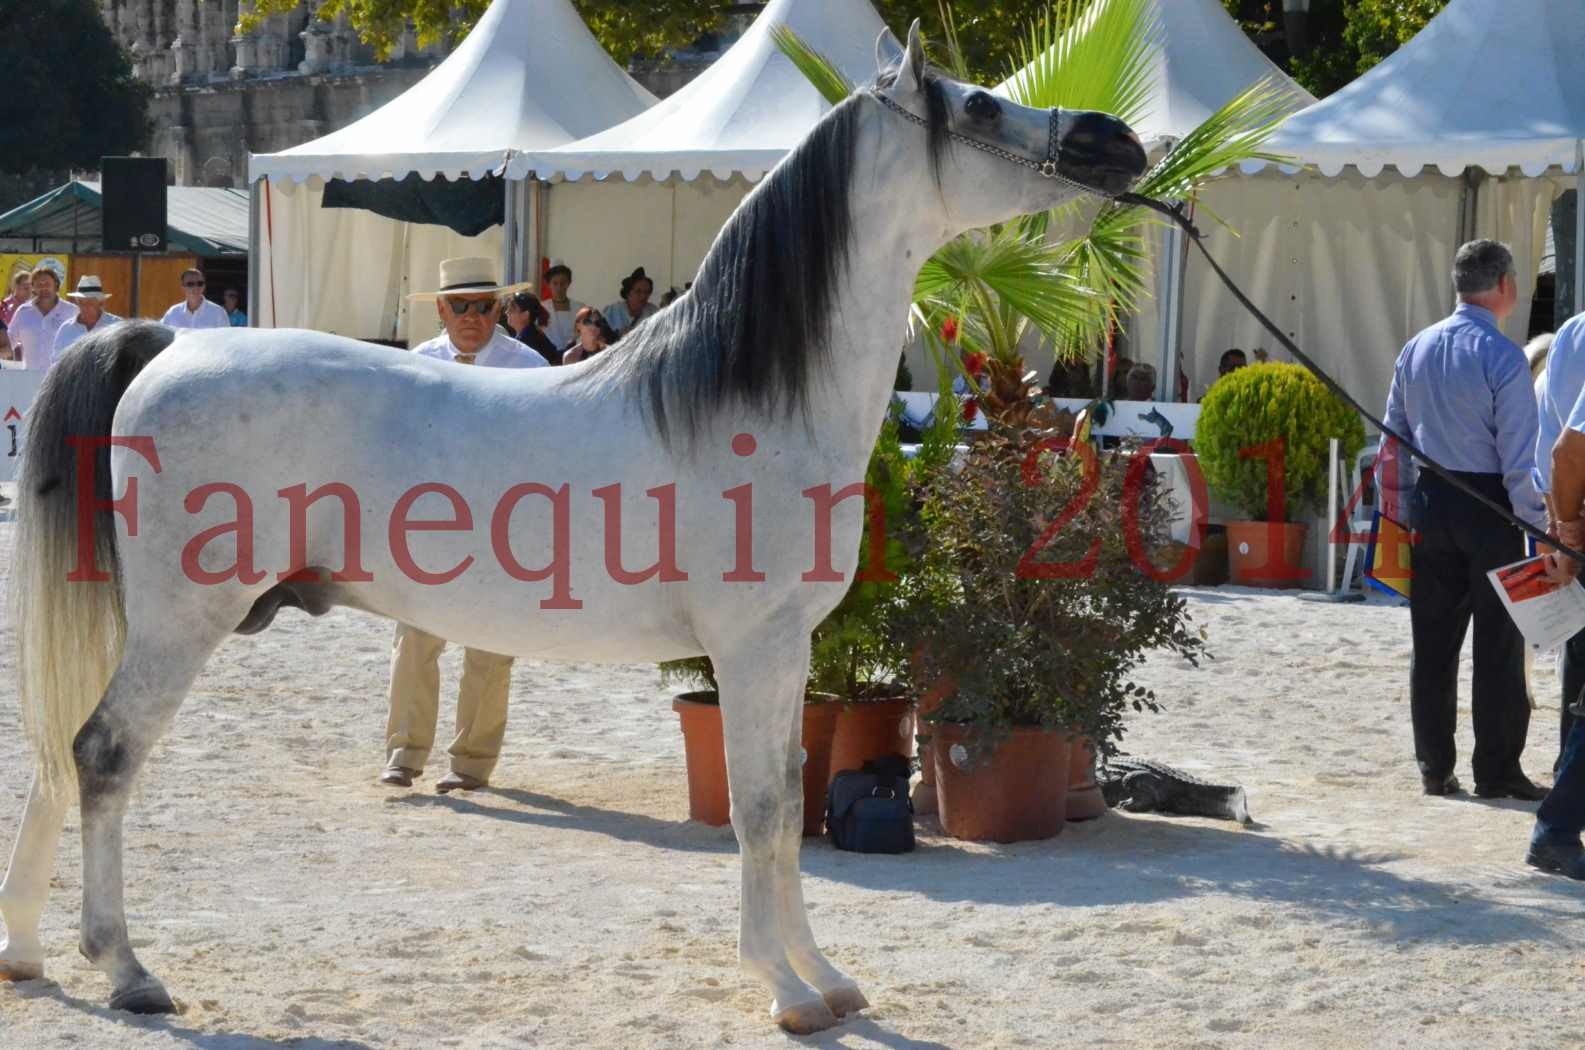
820 71
1097 57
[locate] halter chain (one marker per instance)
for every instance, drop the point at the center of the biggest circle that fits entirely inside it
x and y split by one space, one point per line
1046 169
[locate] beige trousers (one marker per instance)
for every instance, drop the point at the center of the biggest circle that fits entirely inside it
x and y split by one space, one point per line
415 704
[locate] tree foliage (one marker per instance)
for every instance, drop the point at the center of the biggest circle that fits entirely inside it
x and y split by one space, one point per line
70 96
1350 36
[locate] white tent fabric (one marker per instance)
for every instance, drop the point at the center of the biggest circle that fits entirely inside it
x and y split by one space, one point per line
740 116
1354 260
1202 60
1489 84
530 75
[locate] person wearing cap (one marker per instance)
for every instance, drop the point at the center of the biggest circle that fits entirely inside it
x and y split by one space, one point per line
89 299
194 311
37 321
469 303
563 309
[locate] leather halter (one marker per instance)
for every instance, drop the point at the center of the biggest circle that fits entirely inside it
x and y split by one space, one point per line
1046 169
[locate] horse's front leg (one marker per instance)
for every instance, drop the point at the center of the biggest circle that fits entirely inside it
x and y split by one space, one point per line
762 690
27 883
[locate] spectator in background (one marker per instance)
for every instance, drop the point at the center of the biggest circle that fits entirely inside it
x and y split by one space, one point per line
1462 391
594 335
526 319
1231 361
37 321
634 305
89 299
194 311
1141 383
563 310
231 301
21 292
1261 356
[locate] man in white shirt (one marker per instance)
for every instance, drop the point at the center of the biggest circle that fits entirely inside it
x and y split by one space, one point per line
37 321
469 303
195 311
91 314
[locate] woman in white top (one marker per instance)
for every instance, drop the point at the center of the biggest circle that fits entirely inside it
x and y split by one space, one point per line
634 305
563 311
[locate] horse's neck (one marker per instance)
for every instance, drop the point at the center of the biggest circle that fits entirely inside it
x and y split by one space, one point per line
896 227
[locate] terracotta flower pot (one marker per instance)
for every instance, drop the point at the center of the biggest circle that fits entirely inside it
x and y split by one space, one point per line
704 745
1019 792
1085 801
1266 553
871 728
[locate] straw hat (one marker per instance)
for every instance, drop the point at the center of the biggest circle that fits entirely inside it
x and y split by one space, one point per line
469 276
89 287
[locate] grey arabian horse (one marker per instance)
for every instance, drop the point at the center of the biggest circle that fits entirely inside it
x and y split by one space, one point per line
270 468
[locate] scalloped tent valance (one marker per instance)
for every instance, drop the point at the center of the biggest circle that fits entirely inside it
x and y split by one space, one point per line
1490 84
529 76
740 116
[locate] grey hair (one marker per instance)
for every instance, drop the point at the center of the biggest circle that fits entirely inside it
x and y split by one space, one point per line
1479 265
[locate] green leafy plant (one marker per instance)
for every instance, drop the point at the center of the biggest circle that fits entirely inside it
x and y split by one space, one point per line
1011 624
1272 420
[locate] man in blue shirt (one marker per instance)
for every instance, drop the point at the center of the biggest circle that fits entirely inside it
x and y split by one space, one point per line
1461 392
1560 474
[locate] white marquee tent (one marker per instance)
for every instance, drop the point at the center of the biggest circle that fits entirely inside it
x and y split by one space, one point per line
1354 259
529 75
655 190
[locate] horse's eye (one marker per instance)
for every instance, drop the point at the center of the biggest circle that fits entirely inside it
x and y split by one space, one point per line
983 107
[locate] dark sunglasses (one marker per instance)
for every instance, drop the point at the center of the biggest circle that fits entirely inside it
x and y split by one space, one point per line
460 307
192 284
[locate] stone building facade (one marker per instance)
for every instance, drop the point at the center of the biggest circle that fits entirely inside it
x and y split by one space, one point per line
220 93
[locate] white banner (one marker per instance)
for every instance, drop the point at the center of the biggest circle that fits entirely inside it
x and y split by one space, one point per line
18 387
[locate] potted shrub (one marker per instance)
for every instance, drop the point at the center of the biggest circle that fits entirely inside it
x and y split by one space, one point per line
1024 635
1262 441
704 748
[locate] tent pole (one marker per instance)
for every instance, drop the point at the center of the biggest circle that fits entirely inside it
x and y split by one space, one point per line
1579 230
509 232
255 254
535 249
1174 256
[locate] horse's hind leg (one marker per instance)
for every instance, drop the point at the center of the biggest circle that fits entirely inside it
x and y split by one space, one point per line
27 883
138 706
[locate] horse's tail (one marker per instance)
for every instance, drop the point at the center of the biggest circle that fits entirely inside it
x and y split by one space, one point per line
70 632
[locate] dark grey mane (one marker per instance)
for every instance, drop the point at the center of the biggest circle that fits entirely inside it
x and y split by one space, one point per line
756 323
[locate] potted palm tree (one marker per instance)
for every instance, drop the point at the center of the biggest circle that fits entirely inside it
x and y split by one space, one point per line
1263 442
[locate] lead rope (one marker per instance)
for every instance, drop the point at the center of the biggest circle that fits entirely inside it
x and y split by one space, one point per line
1177 216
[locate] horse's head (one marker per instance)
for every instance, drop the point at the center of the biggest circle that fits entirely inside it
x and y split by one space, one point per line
994 159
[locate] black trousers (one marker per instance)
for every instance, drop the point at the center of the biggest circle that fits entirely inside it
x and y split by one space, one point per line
1573 686
1458 542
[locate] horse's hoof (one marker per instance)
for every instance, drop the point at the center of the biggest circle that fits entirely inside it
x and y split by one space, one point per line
807 1018
149 997
848 1000
19 970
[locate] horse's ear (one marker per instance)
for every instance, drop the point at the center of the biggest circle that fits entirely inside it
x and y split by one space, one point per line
911 75
888 50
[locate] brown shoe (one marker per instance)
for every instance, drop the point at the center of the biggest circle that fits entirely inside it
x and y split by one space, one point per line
399 776
454 780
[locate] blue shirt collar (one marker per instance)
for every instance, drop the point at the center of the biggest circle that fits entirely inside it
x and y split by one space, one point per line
1477 313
